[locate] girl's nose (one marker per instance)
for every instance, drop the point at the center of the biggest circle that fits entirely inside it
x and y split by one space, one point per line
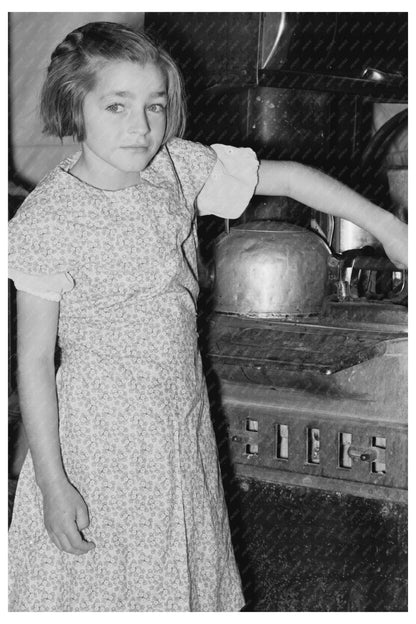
139 123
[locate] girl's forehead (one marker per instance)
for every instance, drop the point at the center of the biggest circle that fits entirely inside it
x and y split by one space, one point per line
117 75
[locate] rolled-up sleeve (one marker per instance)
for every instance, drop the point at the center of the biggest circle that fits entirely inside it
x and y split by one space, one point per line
39 257
231 183
51 287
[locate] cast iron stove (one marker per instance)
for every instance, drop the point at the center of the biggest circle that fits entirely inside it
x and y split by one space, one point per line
319 402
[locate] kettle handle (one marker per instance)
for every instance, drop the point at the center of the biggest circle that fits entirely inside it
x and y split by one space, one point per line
323 224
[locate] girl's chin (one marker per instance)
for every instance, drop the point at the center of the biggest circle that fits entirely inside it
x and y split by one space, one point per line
135 160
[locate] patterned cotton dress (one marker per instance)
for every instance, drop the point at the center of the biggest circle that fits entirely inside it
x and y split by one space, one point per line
135 429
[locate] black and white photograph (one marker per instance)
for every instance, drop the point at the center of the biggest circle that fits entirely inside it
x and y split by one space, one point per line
208 311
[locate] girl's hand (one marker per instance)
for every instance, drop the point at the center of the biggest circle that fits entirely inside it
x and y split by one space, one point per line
395 242
65 516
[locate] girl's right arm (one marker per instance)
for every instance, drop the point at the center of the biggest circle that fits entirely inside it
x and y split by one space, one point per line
65 511
318 190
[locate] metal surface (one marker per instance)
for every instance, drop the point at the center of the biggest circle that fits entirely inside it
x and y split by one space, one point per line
330 83
295 346
281 120
359 274
213 49
363 313
347 236
277 208
320 403
304 550
272 37
300 50
377 452
270 269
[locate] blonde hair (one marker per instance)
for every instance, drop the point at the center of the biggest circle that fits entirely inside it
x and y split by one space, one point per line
72 74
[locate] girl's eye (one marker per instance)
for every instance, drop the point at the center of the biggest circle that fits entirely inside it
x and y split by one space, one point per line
115 108
157 108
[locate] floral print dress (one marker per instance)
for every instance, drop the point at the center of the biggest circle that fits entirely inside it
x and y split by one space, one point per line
134 423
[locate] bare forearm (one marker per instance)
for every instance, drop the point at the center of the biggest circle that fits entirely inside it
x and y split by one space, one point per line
38 404
318 190
65 511
321 192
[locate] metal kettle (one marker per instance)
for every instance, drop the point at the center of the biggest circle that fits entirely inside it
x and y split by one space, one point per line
270 269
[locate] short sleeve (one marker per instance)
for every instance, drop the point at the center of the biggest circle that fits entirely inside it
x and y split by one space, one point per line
193 163
39 257
231 184
50 287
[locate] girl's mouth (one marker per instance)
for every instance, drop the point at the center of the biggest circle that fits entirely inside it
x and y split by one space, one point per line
135 147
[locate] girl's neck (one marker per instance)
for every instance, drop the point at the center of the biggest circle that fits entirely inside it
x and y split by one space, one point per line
105 177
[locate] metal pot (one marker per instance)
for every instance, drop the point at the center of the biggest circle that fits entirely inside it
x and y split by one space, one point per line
270 269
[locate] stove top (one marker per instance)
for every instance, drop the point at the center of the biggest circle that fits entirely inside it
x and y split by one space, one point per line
346 334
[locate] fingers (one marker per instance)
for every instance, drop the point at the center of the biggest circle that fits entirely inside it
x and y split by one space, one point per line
69 538
65 517
71 541
82 518
76 540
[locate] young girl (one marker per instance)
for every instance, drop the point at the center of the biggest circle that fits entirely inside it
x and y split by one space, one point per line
119 505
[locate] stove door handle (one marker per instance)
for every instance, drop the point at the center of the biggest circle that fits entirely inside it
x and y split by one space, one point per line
366 455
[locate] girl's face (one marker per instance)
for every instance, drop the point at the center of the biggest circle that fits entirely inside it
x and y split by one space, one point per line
125 121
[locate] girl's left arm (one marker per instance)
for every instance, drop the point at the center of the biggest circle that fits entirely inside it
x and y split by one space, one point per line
321 192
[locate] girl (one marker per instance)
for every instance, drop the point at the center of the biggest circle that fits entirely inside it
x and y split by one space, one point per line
119 504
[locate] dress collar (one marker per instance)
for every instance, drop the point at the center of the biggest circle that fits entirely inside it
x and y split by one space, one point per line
159 172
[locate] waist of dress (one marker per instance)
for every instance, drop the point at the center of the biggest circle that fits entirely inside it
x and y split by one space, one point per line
125 305
127 336
166 356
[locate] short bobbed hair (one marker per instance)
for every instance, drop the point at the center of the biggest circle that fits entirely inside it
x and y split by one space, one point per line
72 74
